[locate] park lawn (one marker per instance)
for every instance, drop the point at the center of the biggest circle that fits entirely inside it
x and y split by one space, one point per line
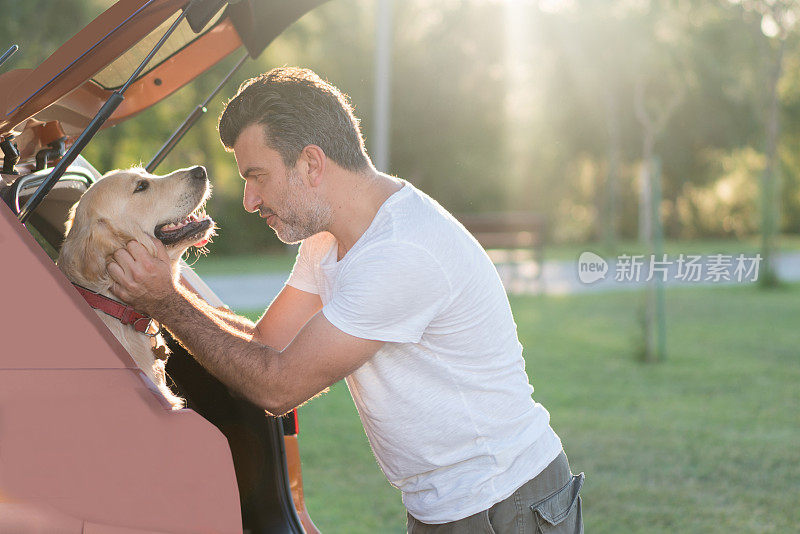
707 441
281 262
210 265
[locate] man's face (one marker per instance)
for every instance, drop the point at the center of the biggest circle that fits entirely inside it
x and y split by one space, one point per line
280 194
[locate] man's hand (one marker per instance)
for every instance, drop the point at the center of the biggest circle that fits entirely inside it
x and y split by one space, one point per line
142 280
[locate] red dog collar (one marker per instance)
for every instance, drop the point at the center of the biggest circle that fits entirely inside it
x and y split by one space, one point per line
124 313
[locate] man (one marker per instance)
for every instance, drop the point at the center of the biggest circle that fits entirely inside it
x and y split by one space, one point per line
390 293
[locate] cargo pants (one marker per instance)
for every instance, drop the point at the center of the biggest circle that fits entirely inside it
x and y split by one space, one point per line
549 503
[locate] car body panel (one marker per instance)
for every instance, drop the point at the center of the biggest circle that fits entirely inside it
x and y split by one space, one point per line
83 433
46 321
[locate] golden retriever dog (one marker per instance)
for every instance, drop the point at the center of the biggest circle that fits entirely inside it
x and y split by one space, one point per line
131 204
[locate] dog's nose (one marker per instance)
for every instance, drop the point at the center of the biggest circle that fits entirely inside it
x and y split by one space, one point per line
198 172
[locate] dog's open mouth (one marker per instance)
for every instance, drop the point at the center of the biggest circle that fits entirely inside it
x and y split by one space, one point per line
194 229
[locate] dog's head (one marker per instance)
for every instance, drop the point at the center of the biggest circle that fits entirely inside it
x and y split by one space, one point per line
134 205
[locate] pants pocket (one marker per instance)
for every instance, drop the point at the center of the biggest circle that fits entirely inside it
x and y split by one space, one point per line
561 512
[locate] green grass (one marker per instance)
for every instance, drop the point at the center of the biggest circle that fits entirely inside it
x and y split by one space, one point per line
707 441
246 264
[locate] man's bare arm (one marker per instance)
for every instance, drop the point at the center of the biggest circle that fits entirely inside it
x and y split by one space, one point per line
277 381
287 313
234 321
233 358
241 326
319 355
238 322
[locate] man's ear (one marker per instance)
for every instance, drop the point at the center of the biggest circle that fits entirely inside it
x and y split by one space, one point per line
314 162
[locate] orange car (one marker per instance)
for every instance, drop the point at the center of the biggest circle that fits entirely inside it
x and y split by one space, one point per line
87 444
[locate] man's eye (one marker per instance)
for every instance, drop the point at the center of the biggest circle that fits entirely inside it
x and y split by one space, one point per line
141 186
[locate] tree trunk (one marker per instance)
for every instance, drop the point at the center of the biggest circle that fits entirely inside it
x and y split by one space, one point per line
650 231
612 179
770 187
646 189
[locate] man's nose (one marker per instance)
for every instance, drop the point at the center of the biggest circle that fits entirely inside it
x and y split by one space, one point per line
251 200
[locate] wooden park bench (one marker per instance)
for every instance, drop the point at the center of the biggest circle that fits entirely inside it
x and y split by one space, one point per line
510 237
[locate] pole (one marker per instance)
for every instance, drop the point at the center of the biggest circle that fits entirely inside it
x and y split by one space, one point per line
8 53
383 72
658 250
190 121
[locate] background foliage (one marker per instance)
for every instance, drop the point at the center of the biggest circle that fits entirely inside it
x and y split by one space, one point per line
512 105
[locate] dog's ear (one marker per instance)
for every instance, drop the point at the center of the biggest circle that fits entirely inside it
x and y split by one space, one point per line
87 249
70 219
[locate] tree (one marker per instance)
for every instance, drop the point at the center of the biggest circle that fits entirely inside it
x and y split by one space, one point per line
778 20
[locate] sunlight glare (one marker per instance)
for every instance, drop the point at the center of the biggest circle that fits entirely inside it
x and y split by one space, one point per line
556 6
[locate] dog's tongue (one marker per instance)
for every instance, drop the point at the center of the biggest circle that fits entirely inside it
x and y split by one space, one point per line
202 243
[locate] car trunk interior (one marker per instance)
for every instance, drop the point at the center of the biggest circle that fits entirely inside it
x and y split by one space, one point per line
256 440
47 223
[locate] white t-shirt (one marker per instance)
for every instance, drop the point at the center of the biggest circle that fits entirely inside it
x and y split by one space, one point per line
445 403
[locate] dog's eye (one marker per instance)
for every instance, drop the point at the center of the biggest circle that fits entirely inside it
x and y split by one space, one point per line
141 186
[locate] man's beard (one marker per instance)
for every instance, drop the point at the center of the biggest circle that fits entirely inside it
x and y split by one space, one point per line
303 216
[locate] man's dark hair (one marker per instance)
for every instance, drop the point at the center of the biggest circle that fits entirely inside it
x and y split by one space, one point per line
297 108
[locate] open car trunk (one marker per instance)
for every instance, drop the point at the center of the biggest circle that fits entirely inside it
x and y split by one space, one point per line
88 444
